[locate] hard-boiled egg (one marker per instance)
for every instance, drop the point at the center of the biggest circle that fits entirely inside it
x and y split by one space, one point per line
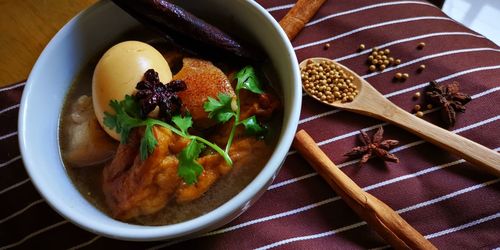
118 72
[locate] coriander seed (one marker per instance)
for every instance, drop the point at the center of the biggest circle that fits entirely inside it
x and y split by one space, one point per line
421 67
429 106
406 76
327 82
362 47
397 61
327 46
419 114
372 68
417 95
398 75
417 107
421 45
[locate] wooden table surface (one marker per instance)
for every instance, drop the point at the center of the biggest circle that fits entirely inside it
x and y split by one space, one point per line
26 26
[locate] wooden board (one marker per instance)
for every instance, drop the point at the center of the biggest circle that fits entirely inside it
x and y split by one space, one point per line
26 26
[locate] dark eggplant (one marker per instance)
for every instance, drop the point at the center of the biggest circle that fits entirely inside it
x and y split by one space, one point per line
185 29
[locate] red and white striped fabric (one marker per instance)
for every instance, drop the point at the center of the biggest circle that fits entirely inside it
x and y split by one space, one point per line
443 197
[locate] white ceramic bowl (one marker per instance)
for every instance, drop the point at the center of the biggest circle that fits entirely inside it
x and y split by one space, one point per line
83 38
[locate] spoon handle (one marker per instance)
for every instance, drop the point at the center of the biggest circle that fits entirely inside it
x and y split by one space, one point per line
472 152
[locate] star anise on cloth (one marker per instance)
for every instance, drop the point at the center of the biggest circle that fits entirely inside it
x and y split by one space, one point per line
152 93
449 98
374 147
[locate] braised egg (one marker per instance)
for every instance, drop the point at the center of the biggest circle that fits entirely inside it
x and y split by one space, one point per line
118 72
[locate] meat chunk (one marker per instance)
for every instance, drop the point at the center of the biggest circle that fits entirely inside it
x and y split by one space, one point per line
89 144
203 80
133 187
214 167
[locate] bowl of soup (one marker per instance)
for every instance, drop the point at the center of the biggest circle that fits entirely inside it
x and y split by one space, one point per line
130 136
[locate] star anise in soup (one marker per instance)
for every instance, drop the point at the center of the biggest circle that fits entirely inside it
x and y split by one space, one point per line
375 146
152 93
449 98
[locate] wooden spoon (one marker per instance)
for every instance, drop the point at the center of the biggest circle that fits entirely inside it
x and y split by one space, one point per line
371 103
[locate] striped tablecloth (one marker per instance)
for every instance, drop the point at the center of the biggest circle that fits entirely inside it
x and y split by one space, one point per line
443 197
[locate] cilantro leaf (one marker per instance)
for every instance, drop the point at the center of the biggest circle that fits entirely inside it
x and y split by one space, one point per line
252 127
148 143
125 117
183 123
247 79
189 169
219 110
131 106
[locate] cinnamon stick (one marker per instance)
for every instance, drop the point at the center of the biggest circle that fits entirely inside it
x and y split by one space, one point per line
299 15
385 221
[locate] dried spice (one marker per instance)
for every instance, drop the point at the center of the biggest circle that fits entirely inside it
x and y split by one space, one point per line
328 82
374 147
449 98
152 93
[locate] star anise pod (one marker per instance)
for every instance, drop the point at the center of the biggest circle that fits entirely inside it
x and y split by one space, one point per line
449 98
374 147
152 93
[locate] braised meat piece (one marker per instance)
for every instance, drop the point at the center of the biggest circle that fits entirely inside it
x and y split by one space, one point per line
133 187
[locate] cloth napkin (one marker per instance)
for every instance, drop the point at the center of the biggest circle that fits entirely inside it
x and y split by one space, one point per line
445 198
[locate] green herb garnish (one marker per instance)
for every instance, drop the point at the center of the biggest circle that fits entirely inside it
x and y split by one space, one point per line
221 110
189 169
127 117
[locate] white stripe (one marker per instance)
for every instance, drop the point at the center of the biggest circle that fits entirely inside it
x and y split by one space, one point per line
281 7
86 243
464 226
313 236
21 211
274 216
365 8
10 161
353 133
445 78
416 174
9 108
446 53
416 206
35 234
14 186
371 27
289 181
402 91
448 196
13 86
314 117
3 137
475 125
381 46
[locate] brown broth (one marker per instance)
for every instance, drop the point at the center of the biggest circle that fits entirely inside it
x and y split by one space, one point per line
88 180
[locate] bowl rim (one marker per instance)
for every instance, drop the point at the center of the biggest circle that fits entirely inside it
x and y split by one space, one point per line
215 216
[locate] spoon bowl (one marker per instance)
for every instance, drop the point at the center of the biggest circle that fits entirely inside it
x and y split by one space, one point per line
372 103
